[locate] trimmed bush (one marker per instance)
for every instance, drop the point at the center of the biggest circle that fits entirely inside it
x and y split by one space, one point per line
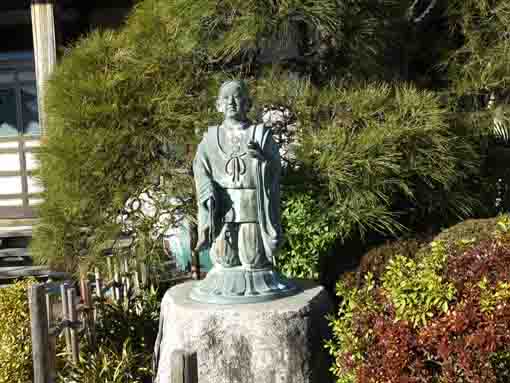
471 230
15 344
443 316
376 259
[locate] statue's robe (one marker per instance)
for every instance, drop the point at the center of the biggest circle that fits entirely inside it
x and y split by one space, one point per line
244 221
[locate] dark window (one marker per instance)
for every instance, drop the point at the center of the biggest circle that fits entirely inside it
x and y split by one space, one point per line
8 113
29 110
18 103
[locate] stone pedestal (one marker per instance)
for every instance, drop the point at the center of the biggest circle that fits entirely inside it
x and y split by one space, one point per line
280 341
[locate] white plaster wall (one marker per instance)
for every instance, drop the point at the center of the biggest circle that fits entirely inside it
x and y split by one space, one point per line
9 162
11 202
9 145
10 185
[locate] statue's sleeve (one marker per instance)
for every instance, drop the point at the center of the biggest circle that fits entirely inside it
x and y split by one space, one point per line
268 179
204 185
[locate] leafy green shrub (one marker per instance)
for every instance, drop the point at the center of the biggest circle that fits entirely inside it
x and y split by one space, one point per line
15 345
376 259
455 238
473 230
309 236
108 365
417 288
345 330
126 333
136 319
441 316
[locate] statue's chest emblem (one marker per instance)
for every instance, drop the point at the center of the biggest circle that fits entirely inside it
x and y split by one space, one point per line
234 149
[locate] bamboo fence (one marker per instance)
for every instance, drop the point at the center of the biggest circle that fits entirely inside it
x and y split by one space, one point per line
61 309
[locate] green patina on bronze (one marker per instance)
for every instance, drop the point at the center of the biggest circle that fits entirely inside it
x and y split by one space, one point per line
237 175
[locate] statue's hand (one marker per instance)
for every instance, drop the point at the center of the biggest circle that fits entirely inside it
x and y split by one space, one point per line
255 151
203 243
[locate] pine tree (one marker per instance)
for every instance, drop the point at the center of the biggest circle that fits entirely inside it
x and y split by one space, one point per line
381 152
479 74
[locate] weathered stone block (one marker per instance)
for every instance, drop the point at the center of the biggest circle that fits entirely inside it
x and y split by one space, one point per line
280 341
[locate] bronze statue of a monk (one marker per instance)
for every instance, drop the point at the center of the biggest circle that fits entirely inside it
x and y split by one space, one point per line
237 173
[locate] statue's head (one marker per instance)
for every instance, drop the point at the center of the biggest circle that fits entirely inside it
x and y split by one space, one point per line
234 100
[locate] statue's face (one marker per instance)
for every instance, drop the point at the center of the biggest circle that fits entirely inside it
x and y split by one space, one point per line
232 102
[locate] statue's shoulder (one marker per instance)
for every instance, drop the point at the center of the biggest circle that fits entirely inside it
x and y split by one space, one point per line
207 139
261 126
210 133
260 132
212 129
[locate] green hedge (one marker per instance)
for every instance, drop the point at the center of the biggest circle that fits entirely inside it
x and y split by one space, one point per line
15 344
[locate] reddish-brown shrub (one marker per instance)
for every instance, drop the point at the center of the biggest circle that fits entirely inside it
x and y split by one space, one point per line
469 343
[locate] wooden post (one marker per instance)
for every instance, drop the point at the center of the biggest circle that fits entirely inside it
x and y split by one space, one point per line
39 331
99 284
127 278
45 51
143 274
116 278
99 292
90 317
83 313
52 340
109 266
75 351
47 299
66 316
184 367
87 314
83 289
136 281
